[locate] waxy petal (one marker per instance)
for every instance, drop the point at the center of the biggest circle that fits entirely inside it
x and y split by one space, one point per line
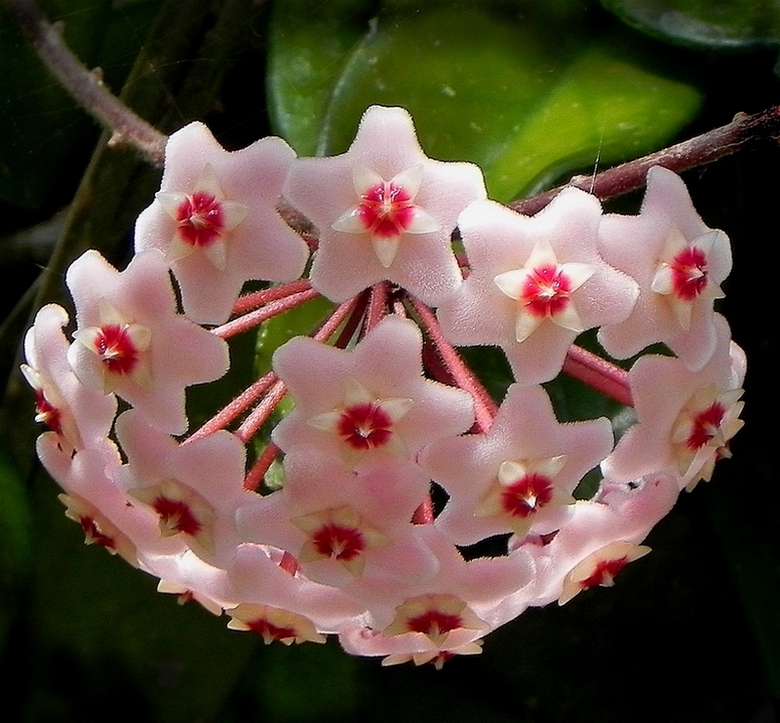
384 155
387 362
172 352
256 242
509 299
645 246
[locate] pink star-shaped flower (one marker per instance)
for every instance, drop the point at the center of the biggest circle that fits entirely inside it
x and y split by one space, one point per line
98 529
107 516
520 475
687 428
394 412
598 532
435 615
192 579
272 623
341 525
449 610
600 568
131 341
535 283
679 263
194 488
77 415
384 210
215 219
437 658
258 578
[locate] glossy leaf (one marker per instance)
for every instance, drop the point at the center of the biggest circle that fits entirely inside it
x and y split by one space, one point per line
300 321
309 44
721 24
548 107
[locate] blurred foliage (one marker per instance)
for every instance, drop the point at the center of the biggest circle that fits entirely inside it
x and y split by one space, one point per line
558 96
533 92
718 24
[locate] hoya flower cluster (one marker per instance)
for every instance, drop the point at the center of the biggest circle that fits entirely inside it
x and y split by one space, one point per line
396 463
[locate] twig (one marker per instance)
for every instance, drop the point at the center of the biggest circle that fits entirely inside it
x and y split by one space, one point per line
84 85
744 132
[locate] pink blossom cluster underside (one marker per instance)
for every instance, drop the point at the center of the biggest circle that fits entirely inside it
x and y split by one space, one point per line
385 412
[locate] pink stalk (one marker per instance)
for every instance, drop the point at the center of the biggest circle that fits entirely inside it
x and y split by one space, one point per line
239 405
423 515
352 322
599 374
270 310
435 366
261 412
334 321
256 299
485 407
260 467
377 305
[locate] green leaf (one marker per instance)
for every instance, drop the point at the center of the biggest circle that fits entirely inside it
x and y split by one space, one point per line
300 321
15 547
557 99
720 24
308 47
604 109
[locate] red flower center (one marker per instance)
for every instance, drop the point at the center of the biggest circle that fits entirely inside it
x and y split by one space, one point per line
434 623
604 573
47 413
338 542
689 273
545 291
201 219
365 426
386 210
706 425
177 515
94 535
115 347
268 631
527 495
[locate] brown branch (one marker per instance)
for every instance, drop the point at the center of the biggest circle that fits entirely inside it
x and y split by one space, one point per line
743 133
84 85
